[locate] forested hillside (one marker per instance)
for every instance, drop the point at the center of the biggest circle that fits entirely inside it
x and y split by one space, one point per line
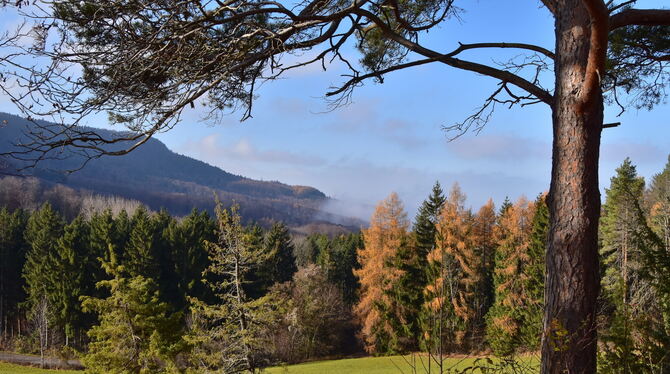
160 178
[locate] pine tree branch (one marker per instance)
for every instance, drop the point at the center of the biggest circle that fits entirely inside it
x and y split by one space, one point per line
640 17
447 59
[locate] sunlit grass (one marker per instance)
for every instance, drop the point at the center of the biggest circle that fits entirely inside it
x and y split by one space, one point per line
6 368
367 365
400 365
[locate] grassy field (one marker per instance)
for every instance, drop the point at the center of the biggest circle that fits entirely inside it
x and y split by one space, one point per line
366 365
6 368
387 365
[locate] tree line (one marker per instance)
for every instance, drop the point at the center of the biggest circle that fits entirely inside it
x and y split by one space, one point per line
456 282
146 292
460 281
97 284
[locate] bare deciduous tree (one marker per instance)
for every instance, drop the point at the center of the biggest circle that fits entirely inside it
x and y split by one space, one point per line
41 314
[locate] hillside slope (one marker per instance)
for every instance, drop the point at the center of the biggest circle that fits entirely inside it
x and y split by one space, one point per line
160 178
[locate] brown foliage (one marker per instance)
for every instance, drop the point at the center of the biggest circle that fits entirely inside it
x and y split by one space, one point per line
388 231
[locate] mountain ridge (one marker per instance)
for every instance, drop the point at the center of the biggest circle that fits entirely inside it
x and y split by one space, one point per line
162 178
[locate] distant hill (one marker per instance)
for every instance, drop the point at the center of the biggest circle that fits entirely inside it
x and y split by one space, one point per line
160 178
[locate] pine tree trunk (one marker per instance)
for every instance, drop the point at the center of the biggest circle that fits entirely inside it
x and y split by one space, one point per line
569 341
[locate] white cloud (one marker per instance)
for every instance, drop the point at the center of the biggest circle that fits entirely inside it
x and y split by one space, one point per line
616 152
357 185
500 148
210 149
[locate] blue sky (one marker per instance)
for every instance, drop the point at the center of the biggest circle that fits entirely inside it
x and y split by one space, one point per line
391 137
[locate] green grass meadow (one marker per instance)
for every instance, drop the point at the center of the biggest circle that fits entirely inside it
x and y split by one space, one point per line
394 365
6 368
366 365
369 365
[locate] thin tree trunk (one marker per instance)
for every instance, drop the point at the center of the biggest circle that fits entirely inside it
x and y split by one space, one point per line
572 283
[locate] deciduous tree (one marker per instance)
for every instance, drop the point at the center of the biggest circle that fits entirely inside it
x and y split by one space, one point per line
387 234
454 277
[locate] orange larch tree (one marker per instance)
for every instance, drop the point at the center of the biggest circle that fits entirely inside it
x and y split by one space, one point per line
454 276
388 232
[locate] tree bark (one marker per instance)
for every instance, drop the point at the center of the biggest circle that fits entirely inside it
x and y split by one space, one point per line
569 340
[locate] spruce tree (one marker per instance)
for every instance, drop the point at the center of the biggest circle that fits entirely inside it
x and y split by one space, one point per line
41 272
72 257
505 318
13 248
620 226
339 262
406 296
187 240
412 261
632 294
311 248
257 279
122 228
136 332
426 218
485 245
140 255
165 259
107 243
533 279
280 264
